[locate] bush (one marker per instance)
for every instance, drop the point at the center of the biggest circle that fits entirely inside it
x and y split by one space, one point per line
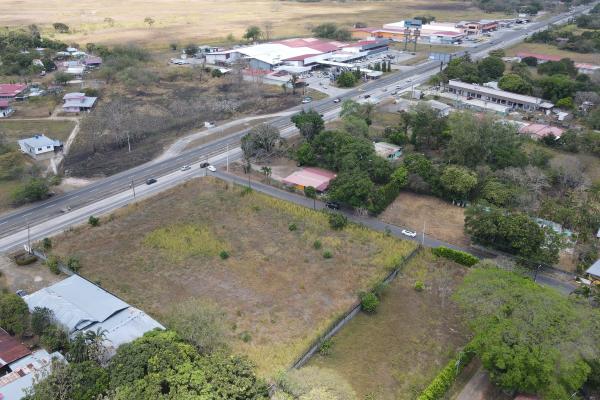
224 255
52 263
369 302
74 264
215 73
419 286
325 348
245 336
292 227
47 244
317 244
337 221
327 254
456 255
54 339
34 190
446 377
25 259
93 221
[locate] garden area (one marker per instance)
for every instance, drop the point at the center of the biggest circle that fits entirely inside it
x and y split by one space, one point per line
279 272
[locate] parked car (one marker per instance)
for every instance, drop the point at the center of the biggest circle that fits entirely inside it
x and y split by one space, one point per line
204 165
150 181
186 168
332 205
406 232
21 293
211 168
336 100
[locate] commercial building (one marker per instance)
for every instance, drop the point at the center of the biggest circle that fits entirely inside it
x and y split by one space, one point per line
478 27
39 146
79 306
315 177
497 96
434 32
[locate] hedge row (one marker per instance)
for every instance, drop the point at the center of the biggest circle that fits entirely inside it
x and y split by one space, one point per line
456 255
446 377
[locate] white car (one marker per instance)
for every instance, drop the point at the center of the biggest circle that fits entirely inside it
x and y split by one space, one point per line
336 100
186 168
408 233
211 168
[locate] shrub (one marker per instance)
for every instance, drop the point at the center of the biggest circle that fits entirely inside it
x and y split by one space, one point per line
14 314
446 377
292 227
52 263
317 244
369 302
419 286
216 73
46 243
74 264
337 221
325 348
54 339
327 254
224 255
458 256
245 336
34 190
25 259
93 221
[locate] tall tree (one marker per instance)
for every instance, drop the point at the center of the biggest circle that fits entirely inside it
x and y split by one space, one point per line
309 123
253 33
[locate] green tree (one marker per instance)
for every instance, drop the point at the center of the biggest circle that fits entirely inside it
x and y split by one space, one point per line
150 21
530 338
61 78
346 79
311 193
33 190
556 87
565 103
490 68
427 127
352 188
515 83
305 154
260 141
253 33
458 181
309 123
41 319
330 30
14 314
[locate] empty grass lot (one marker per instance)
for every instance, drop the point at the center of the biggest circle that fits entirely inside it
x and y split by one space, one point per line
542 48
395 353
14 130
212 20
276 288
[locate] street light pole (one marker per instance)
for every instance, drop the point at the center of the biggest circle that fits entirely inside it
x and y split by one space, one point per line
227 157
423 234
28 239
133 187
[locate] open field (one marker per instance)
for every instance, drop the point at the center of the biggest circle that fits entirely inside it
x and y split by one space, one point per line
395 353
30 277
541 48
211 20
276 287
14 130
442 220
35 107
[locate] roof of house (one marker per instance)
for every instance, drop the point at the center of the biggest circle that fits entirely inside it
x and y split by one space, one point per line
11 89
587 66
38 364
501 93
74 70
543 57
594 269
11 349
384 149
4 103
93 60
73 95
39 140
541 130
85 102
80 305
438 105
315 177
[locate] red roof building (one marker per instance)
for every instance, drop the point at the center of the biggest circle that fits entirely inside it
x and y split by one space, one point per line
538 131
11 90
11 349
315 177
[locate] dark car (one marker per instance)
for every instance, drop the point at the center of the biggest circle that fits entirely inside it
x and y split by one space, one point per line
332 205
366 96
150 181
204 165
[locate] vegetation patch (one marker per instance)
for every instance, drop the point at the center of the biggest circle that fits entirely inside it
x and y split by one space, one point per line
458 256
178 242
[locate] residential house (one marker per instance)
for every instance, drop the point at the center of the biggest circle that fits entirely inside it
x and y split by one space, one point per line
11 90
539 131
315 177
11 350
442 108
22 372
387 150
39 146
594 271
5 108
81 306
77 102
92 62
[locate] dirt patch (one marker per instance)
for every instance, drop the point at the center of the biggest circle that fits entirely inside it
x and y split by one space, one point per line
395 353
30 277
442 220
276 286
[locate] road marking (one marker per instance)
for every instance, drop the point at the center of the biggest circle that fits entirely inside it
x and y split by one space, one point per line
48 206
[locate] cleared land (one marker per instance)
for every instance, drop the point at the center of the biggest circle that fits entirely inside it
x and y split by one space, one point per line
547 49
211 20
442 220
276 286
14 130
395 353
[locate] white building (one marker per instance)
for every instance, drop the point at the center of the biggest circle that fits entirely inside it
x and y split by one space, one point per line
77 102
39 145
442 108
497 96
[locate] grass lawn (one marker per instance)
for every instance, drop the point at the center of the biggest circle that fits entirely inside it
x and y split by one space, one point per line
36 107
6 188
396 352
14 130
276 288
547 49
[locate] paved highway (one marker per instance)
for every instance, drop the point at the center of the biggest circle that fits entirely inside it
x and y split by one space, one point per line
45 218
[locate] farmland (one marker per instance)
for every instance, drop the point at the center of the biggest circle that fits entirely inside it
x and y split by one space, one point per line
113 21
261 260
394 353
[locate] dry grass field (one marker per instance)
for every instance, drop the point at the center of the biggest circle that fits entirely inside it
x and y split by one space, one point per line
443 220
394 354
211 20
541 48
276 287
14 130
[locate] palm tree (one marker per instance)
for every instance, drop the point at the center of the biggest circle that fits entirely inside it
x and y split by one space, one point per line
267 171
294 81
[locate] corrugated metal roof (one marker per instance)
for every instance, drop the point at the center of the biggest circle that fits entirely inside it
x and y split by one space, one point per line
10 348
39 141
13 384
594 269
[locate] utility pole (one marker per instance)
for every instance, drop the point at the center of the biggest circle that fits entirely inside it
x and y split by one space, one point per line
133 187
28 240
227 146
128 142
423 234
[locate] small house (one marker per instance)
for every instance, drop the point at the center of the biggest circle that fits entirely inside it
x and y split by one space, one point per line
92 62
315 177
39 146
387 150
594 271
540 131
442 108
77 102
5 108
11 90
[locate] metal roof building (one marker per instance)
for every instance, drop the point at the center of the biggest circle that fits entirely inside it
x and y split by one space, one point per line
23 372
594 270
79 306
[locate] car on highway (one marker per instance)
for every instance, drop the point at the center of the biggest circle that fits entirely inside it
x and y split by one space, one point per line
306 100
204 165
186 168
150 181
408 233
336 100
211 168
334 205
65 209
366 96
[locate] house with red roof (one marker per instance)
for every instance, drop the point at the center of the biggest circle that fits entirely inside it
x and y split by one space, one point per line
11 349
540 131
5 108
316 177
541 58
11 90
